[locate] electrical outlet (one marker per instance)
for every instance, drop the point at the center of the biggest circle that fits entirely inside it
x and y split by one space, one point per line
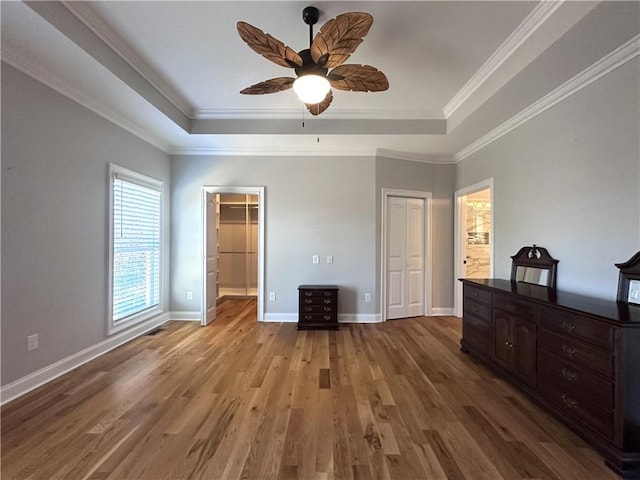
32 342
272 296
329 258
367 297
316 259
189 295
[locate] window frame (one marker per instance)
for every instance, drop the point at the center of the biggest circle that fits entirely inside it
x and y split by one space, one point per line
116 171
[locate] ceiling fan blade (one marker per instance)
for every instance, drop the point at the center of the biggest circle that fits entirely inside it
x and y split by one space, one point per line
269 47
273 85
339 38
318 108
358 78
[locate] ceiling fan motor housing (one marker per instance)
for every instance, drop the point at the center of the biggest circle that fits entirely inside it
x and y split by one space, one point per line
309 67
310 15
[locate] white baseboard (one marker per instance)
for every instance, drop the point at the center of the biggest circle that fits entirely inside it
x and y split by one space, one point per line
359 318
442 312
281 317
342 318
185 316
32 381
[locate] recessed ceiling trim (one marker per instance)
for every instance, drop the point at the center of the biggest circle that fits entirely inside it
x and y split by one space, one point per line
43 75
606 64
266 152
296 113
414 157
61 18
540 14
92 19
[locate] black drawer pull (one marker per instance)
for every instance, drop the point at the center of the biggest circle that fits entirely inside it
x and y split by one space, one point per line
571 352
308 294
568 401
511 307
568 326
569 375
327 317
327 294
308 309
327 309
308 301
508 344
308 317
327 301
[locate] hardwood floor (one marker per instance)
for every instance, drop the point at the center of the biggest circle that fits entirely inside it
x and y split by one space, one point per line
243 400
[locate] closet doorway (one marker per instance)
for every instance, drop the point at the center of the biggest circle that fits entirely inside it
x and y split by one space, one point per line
233 242
406 266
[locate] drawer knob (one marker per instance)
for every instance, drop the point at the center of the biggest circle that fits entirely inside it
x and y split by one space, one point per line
569 351
308 294
568 326
327 301
308 317
508 344
511 307
307 309
308 301
569 375
327 317
327 294
568 401
327 309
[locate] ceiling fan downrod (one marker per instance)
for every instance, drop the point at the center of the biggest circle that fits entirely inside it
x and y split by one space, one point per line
310 15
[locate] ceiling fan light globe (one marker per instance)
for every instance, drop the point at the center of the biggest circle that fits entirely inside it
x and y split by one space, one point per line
311 89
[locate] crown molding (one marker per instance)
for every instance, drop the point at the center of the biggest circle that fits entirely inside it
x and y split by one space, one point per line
84 12
265 152
529 25
415 157
613 60
45 76
297 113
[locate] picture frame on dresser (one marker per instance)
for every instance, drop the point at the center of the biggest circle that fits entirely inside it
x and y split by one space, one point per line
629 280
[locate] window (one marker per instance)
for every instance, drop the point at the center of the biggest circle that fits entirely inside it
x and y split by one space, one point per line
135 248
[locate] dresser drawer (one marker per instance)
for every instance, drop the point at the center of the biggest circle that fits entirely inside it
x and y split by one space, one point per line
318 301
520 308
476 294
582 354
477 332
477 309
318 308
576 380
595 416
318 293
578 327
318 317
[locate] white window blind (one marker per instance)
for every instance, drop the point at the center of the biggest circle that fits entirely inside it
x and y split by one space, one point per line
136 247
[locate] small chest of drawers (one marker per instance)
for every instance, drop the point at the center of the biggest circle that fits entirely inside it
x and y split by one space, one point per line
318 306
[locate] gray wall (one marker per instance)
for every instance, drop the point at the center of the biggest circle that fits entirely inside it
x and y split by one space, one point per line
55 157
314 205
437 179
569 180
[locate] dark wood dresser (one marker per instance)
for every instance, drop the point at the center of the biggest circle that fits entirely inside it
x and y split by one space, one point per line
579 357
317 306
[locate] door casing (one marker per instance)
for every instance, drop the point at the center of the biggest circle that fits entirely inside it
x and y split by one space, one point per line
460 238
428 274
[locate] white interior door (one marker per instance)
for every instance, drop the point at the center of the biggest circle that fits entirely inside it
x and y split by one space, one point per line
210 293
405 257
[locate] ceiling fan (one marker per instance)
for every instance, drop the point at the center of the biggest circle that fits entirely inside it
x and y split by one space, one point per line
319 67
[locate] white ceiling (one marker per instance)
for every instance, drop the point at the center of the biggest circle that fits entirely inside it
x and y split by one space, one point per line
170 72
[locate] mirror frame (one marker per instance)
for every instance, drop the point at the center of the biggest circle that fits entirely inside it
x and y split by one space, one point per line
629 272
536 257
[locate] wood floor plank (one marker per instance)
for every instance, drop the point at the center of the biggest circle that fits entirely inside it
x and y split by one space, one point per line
240 399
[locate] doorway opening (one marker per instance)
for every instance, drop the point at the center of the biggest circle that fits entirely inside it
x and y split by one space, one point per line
405 254
474 236
233 246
